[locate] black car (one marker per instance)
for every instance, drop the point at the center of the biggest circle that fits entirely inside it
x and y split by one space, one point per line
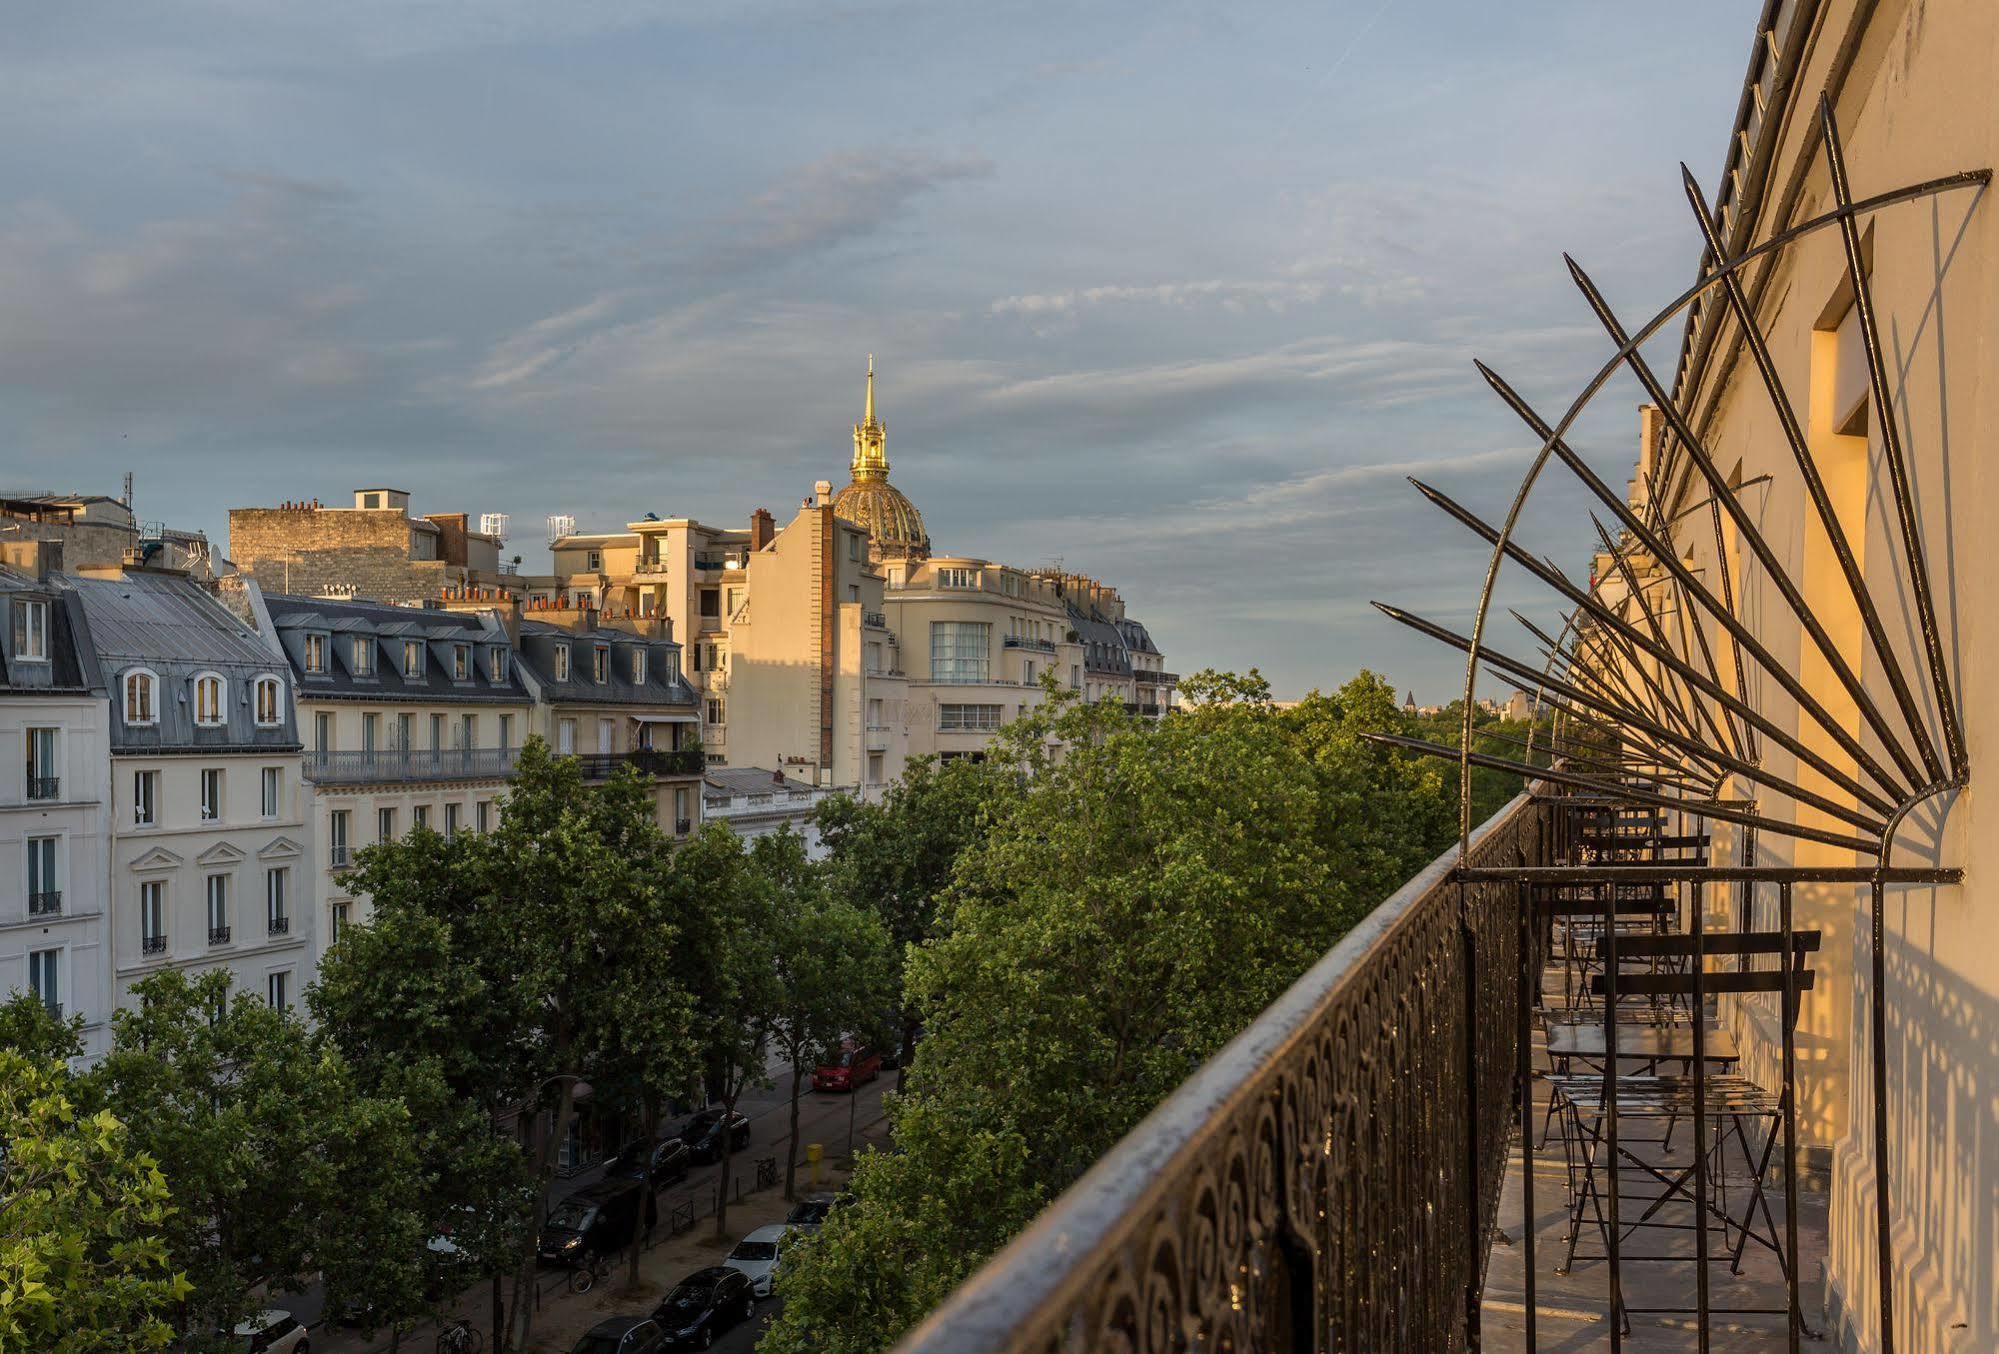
670 1162
810 1211
622 1335
703 1305
598 1220
703 1134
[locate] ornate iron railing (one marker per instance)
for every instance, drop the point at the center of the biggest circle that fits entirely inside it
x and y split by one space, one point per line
45 903
1328 1181
651 761
395 765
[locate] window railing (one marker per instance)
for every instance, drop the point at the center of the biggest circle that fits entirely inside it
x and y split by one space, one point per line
1156 678
46 903
875 619
682 826
218 935
337 857
650 761
1029 642
54 1008
392 765
280 926
153 945
1329 1180
44 787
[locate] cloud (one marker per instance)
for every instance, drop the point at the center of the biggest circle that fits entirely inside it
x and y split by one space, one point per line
1271 295
837 198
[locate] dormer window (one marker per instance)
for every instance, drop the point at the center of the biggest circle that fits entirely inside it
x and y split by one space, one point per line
461 661
672 666
315 653
412 658
496 666
600 666
364 655
269 703
31 630
141 705
208 690
638 667
562 662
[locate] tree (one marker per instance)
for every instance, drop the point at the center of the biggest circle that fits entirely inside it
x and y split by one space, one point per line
28 1027
834 969
84 1267
256 1121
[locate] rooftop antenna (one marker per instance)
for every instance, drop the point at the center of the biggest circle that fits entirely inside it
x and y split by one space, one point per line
493 524
560 524
128 489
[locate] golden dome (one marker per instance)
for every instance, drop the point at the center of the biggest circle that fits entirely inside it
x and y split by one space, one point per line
895 527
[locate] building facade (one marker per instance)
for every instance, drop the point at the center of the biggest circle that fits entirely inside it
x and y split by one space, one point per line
373 550
55 794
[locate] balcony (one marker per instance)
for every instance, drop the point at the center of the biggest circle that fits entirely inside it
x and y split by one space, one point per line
218 935
153 945
1145 678
393 766
682 826
279 926
46 903
44 787
874 620
1024 642
650 761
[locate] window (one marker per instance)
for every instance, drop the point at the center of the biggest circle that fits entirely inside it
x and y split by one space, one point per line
44 770
565 738
853 545
43 967
437 733
385 825
461 662
875 713
278 919
44 888
496 665
874 657
315 653
451 812
562 662
593 561
957 578
874 768
211 793
412 658
482 815
336 837
406 731
958 651
1027 673
420 815
139 704
144 785
218 909
273 786
277 990
153 917
322 732
506 732
337 921
717 711
371 730
468 731
853 592
600 664
31 630
968 718
680 822
1075 676
270 706
672 665
732 601
606 735
638 667
711 603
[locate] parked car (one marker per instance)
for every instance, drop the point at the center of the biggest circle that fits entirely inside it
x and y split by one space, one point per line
757 1256
670 1162
809 1212
272 1332
848 1070
598 1220
703 1134
703 1305
622 1335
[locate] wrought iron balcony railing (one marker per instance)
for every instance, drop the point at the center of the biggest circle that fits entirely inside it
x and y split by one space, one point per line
650 761
153 945
1329 1180
218 935
280 926
399 765
1144 678
44 787
1026 642
45 903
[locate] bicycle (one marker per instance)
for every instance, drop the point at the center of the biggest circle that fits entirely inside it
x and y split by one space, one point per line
460 1337
587 1271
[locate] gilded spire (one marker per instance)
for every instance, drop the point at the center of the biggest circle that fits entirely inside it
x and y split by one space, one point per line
870 438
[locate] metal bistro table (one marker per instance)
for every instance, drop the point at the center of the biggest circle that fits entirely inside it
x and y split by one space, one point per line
1650 1044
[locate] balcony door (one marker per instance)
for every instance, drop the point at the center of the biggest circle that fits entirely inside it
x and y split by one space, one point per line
565 738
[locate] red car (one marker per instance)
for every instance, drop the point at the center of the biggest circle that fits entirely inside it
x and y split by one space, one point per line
855 1067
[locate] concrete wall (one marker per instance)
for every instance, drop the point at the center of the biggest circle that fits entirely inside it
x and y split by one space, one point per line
313 551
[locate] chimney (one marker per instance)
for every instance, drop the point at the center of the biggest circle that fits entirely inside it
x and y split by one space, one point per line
763 528
822 493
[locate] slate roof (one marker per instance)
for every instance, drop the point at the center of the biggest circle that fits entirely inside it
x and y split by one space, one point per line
539 641
168 624
390 628
1104 644
71 667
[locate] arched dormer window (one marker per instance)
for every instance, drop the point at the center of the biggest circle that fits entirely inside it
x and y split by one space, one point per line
209 693
141 697
270 702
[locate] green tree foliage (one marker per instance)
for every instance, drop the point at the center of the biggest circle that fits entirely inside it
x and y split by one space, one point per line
1144 894
84 1263
28 1027
259 1126
1491 733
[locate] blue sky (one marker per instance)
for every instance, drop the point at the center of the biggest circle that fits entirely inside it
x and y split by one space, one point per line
1176 294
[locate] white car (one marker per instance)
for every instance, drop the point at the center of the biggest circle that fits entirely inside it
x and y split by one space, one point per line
757 1255
272 1332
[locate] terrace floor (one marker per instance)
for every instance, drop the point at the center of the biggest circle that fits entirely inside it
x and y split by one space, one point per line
1572 1308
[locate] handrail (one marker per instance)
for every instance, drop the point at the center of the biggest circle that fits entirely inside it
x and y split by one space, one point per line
409 764
1191 1203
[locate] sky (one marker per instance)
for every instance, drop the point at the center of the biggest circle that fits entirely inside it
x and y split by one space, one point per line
1178 295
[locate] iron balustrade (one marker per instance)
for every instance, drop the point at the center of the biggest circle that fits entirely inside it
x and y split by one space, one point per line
44 787
392 765
682 826
650 761
874 620
1026 642
153 945
1156 678
1328 1181
218 935
47 903
280 926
